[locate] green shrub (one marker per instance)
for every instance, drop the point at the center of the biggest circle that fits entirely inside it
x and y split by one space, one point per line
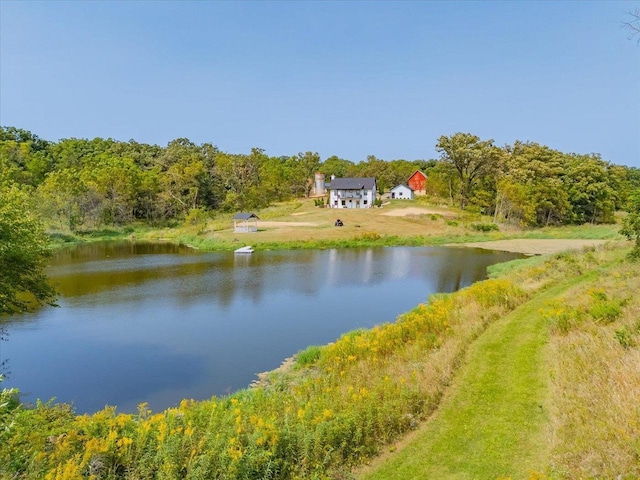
562 317
308 356
606 311
625 337
484 227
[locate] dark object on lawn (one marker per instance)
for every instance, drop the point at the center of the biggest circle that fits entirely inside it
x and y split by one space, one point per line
339 223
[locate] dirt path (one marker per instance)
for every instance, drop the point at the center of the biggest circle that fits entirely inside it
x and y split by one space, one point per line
286 224
534 246
403 212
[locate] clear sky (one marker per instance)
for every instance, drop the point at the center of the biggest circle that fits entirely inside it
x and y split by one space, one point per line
346 78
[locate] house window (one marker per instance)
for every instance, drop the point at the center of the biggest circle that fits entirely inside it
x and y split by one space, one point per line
365 202
344 203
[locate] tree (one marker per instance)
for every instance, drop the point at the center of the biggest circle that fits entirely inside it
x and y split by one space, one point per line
302 168
531 190
335 165
116 180
23 254
65 196
471 158
631 226
589 186
633 24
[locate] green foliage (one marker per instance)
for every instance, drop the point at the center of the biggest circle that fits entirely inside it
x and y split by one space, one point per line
484 227
23 254
82 183
562 318
631 226
624 336
473 160
197 217
606 311
308 356
501 269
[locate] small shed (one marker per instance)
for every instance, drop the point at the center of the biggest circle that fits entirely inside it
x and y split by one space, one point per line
245 222
402 192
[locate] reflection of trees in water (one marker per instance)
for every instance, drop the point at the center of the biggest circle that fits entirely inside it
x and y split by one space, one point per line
131 272
113 250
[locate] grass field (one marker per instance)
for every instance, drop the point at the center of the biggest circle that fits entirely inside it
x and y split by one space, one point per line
300 224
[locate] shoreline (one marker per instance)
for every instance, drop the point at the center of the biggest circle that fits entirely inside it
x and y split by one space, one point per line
537 246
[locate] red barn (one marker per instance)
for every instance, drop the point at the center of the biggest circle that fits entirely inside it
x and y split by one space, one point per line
417 182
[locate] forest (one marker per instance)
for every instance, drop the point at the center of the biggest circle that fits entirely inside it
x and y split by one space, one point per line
81 184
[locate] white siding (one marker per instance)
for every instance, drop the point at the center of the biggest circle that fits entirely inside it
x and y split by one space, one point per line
363 198
402 192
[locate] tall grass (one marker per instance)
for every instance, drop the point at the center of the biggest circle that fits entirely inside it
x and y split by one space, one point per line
343 402
596 379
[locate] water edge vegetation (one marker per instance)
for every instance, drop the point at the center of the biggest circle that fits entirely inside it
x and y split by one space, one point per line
345 402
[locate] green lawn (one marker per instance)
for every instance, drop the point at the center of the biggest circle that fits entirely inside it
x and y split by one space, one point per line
492 424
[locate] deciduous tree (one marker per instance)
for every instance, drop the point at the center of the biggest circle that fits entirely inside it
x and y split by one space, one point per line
471 158
23 254
631 227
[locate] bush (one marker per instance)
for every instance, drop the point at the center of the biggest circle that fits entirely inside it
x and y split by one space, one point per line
562 317
308 356
484 227
606 311
625 337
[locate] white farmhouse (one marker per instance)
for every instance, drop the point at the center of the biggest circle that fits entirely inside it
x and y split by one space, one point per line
352 192
402 192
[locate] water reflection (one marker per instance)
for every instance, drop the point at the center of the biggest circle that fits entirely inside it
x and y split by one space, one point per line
157 323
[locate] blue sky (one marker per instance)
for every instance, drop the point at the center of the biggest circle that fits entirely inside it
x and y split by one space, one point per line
339 78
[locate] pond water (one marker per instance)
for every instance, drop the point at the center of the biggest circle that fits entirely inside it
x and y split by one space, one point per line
157 323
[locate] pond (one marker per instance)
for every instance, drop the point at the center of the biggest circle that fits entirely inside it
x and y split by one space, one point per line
156 323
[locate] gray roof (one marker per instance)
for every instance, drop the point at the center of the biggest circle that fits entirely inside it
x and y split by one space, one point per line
245 216
403 185
367 183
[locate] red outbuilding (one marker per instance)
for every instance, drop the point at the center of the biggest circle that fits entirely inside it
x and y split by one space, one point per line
417 182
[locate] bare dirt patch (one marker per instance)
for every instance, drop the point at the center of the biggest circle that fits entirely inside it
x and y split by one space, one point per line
535 246
286 224
403 212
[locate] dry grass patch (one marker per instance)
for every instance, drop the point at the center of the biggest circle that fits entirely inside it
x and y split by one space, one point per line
596 382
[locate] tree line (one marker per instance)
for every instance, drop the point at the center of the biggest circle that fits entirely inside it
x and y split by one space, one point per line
82 183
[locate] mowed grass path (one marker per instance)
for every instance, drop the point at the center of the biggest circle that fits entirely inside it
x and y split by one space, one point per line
493 422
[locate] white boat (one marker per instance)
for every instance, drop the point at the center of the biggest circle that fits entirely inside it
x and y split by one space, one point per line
247 249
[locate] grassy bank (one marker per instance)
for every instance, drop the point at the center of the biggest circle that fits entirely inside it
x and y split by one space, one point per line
493 425
549 391
344 403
